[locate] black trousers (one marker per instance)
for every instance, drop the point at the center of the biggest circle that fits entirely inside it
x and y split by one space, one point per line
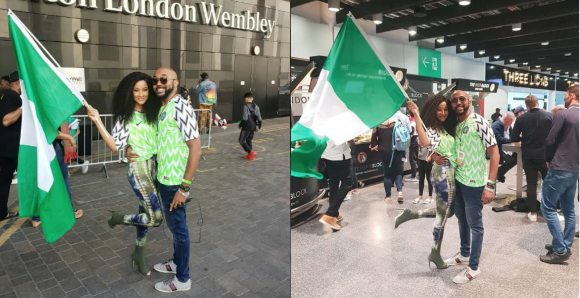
508 163
532 167
425 171
340 183
7 168
413 155
246 137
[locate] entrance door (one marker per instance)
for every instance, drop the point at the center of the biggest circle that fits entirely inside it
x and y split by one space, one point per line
242 84
272 89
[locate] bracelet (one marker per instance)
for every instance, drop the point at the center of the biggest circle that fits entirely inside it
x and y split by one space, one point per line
489 189
492 182
185 181
185 194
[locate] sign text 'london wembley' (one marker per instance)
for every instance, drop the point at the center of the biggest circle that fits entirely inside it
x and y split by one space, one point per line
209 13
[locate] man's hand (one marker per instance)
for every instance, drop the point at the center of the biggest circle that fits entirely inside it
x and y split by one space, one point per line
487 196
130 155
438 159
178 201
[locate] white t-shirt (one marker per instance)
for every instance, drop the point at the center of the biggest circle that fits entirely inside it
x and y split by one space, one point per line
336 152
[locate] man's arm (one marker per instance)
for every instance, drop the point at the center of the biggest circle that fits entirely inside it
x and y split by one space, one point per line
551 144
488 193
12 117
499 134
516 132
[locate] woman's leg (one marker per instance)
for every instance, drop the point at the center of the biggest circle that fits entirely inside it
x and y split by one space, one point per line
444 183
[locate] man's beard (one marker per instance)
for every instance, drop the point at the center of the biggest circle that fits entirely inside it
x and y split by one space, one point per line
168 90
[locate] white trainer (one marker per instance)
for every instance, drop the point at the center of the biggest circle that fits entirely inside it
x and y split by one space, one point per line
173 285
85 167
166 267
466 275
533 217
457 259
417 200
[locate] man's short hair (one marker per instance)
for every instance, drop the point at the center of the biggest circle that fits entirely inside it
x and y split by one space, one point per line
5 78
573 89
497 109
518 110
248 94
531 101
13 77
204 75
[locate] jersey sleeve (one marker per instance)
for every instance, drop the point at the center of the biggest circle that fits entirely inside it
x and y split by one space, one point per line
120 134
186 121
485 131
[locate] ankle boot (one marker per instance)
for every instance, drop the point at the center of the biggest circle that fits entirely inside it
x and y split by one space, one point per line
405 216
116 219
435 257
138 258
252 155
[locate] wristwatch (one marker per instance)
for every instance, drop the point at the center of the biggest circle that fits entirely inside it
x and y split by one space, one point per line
185 188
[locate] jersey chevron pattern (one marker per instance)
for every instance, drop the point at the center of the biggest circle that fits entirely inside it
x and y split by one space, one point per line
176 125
120 134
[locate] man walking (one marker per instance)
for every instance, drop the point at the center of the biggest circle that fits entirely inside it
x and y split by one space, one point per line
560 182
10 113
178 155
207 96
474 140
532 129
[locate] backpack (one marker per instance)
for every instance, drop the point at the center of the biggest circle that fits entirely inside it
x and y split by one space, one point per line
401 139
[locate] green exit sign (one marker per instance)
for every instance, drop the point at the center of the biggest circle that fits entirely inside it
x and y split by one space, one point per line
429 63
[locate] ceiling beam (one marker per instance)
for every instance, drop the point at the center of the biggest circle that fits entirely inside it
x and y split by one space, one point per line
564 8
294 3
567 22
366 9
448 12
570 45
526 56
533 40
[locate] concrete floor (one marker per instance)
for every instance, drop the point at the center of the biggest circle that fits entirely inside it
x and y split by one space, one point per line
369 258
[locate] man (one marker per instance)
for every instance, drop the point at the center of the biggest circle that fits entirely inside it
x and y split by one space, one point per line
532 129
178 155
10 113
518 111
4 83
501 130
474 140
495 116
556 109
560 182
338 167
207 96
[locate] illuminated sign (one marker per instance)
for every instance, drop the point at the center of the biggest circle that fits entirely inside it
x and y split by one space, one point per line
475 86
519 78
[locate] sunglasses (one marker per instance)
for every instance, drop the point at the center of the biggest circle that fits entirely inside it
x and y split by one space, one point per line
163 80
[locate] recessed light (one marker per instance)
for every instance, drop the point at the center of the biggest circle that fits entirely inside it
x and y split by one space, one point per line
463 46
334 5
512 60
576 74
440 39
549 68
492 67
412 30
567 72
525 63
378 18
464 2
538 66
545 43
558 70
496 57
517 27
481 52
568 54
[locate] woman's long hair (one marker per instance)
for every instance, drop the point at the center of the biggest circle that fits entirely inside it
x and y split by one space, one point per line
429 115
124 103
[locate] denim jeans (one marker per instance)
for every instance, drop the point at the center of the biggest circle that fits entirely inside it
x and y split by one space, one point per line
394 172
560 186
177 223
467 209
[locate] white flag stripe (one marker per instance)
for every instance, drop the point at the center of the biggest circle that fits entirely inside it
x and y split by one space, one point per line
329 116
53 65
33 135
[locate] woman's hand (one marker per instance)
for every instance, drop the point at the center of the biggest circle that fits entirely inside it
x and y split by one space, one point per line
92 113
412 107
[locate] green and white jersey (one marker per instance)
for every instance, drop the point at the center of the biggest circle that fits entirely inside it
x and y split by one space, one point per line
176 124
137 133
472 138
443 143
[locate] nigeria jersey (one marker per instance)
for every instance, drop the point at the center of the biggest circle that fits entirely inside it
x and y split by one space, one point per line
137 133
443 143
176 124
472 138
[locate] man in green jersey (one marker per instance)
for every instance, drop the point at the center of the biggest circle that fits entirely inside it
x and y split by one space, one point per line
178 155
474 140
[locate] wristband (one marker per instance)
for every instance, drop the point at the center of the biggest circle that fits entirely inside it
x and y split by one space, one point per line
492 182
489 189
185 181
185 194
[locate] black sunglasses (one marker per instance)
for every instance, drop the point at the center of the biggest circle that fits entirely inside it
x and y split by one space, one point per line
163 80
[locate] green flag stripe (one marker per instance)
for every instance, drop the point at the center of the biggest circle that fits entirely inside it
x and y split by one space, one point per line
304 159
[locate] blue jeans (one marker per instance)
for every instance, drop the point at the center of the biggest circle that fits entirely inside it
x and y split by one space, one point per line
177 223
394 172
467 209
560 186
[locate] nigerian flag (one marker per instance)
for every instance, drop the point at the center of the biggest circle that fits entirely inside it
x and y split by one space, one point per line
355 92
48 99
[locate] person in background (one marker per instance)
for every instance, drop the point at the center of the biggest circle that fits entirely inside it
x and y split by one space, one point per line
501 130
251 121
532 129
425 167
557 108
337 159
72 128
4 83
518 111
413 151
495 116
560 183
206 91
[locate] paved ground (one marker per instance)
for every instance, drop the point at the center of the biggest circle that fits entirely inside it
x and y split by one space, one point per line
238 223
369 258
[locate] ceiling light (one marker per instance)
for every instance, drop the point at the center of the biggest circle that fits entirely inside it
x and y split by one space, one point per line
545 43
568 54
464 2
412 30
463 46
512 60
378 18
558 71
551 79
420 12
538 66
517 27
576 74
525 63
492 67
567 72
334 5
440 39
496 57
549 68
481 52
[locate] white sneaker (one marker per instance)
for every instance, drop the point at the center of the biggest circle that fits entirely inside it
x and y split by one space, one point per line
411 180
533 217
428 200
85 167
417 200
166 267
348 197
173 285
457 259
466 275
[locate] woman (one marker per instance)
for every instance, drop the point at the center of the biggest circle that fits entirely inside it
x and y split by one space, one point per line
440 121
135 110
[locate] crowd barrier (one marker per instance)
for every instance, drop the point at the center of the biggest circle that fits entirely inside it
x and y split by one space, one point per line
93 151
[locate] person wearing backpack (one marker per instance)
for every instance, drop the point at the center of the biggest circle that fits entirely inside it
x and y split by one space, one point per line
251 121
392 138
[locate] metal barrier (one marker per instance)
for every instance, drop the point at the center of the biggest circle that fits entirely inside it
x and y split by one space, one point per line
92 150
